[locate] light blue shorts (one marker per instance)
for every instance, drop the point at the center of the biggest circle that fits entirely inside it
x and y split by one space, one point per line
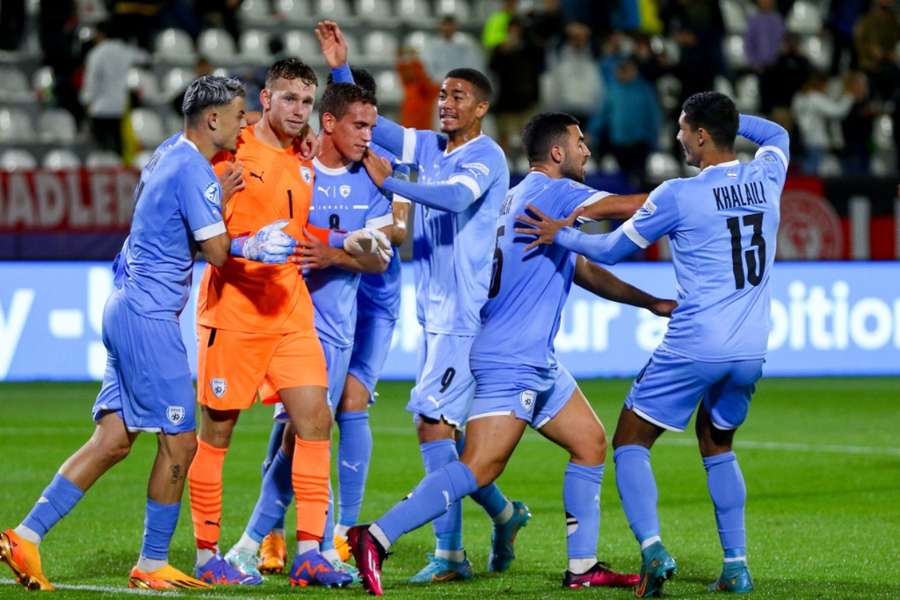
530 394
147 380
444 386
371 344
669 387
337 360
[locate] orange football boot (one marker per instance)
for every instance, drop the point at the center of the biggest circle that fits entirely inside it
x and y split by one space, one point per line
272 554
165 578
24 559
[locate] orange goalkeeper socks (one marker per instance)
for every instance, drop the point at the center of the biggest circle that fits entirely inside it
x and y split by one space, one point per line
205 484
310 470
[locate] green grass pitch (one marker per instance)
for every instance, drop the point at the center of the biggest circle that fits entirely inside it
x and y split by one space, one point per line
821 458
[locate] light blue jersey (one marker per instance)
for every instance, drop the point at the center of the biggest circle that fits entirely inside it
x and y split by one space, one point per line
722 226
344 198
452 250
528 291
177 205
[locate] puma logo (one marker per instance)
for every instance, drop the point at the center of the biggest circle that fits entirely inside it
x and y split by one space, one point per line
352 466
436 402
213 523
252 174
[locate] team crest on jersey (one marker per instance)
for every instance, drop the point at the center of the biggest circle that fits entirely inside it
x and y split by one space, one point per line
175 414
344 190
306 174
212 193
218 386
528 397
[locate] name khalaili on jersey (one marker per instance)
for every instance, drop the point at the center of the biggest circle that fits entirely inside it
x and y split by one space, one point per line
732 196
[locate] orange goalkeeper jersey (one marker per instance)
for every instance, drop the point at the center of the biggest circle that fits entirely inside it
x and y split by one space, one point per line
250 296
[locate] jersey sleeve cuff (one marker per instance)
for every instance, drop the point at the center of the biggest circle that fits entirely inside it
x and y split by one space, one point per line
379 222
210 231
633 234
409 145
469 183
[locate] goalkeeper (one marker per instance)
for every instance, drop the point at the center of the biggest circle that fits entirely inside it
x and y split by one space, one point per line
255 325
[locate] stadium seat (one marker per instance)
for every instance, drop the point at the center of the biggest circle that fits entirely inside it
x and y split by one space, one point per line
140 161
818 50
884 133
174 46
255 12
458 8
145 85
15 126
103 158
352 45
255 47
147 127
379 47
415 12
379 12
735 16
173 123
609 165
417 40
488 126
830 166
61 160
882 164
217 45
661 166
805 17
723 86
42 83
747 93
666 137
337 10
519 164
669 89
303 45
390 90
92 11
176 81
14 85
17 160
295 12
734 51
57 125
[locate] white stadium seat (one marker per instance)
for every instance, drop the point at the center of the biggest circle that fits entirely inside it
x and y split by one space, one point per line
735 16
609 165
42 82
141 160
15 126
805 17
174 46
415 12
303 45
255 12
216 44
818 50
295 12
103 158
337 10
747 89
61 160
14 85
255 47
662 166
830 166
884 133
147 127
176 81
390 90
380 47
17 160
145 84
418 40
57 125
458 8
379 12
734 51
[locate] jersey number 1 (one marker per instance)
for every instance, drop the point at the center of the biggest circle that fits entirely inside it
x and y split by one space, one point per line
756 261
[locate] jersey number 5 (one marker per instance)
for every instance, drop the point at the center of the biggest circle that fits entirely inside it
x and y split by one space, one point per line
756 260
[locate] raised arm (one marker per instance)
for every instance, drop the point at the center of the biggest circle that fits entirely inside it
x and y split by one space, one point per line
766 134
601 282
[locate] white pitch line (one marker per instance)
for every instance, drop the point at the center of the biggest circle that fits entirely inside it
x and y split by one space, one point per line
111 589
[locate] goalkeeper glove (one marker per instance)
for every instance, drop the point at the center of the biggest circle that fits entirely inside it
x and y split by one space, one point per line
368 241
268 245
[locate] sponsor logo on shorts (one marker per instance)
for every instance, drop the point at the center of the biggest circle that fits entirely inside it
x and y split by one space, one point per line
528 397
175 414
218 387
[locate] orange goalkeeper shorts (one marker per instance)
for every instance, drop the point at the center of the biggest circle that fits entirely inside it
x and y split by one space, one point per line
232 365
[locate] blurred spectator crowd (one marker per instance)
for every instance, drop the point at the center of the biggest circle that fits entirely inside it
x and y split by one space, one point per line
99 82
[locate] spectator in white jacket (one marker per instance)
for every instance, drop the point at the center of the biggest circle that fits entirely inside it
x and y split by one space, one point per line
813 110
105 91
572 81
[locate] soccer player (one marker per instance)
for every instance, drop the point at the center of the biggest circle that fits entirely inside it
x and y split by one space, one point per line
344 197
255 324
722 226
519 380
463 179
147 385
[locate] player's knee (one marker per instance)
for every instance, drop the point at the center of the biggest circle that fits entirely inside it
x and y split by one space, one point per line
113 451
486 471
591 450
